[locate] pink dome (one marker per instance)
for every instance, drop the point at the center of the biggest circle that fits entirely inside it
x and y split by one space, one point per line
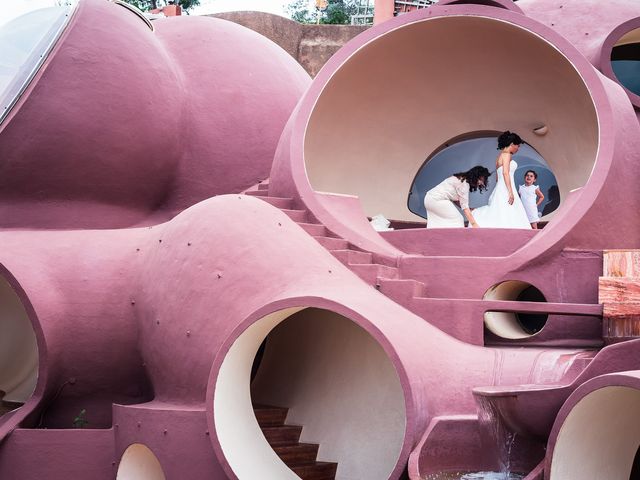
200 108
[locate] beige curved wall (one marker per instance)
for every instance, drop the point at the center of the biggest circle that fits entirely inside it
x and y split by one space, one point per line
139 463
337 382
631 37
408 92
341 386
18 347
600 436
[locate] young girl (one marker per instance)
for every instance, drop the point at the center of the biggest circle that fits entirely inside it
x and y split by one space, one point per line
528 193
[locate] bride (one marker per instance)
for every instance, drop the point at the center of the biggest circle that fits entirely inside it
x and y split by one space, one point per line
505 210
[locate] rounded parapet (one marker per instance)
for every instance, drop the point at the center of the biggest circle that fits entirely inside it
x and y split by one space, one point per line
597 431
436 86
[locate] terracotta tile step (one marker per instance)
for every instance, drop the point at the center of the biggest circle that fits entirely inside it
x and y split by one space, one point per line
297 454
282 435
316 471
269 416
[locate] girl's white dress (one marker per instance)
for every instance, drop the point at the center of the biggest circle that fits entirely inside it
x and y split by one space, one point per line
529 199
498 213
441 212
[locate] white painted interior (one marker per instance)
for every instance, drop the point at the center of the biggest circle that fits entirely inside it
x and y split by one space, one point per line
18 347
505 324
242 442
139 463
600 436
339 383
406 93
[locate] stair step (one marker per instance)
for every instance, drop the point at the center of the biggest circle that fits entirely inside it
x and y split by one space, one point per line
352 257
296 215
316 471
269 416
401 289
297 454
314 229
278 202
282 435
331 243
263 186
370 273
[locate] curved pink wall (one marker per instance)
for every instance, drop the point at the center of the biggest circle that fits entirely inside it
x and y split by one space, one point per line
135 324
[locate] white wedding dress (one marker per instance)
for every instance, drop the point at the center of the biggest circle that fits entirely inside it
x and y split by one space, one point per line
498 213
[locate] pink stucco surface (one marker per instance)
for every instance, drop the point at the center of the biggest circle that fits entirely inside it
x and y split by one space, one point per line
141 267
122 126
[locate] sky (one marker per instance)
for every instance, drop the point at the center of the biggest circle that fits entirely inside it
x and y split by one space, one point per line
15 8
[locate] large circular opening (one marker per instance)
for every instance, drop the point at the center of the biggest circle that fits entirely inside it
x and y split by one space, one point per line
18 350
405 93
512 325
139 463
479 148
599 437
334 379
625 63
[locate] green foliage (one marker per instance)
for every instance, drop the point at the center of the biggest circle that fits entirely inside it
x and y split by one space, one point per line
337 12
80 421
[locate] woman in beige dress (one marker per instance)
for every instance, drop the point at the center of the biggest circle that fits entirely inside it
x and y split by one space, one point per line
439 201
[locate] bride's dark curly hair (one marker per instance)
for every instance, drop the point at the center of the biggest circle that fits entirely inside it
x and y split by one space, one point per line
507 138
472 176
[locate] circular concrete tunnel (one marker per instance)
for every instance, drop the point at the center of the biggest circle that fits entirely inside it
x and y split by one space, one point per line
139 463
599 437
336 381
620 58
514 325
18 348
404 94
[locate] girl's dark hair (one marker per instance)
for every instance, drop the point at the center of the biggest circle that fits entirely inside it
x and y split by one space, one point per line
535 175
472 176
507 138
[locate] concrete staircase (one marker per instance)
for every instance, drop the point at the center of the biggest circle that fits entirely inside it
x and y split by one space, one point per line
382 272
373 269
284 439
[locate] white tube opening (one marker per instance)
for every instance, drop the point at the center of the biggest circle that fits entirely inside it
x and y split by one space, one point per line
512 325
335 379
600 436
18 348
139 463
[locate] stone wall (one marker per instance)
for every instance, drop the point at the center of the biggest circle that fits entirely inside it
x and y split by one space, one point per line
310 45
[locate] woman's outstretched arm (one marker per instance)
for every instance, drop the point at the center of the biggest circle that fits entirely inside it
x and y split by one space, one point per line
469 215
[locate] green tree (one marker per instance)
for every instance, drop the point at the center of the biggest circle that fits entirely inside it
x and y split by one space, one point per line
146 5
337 12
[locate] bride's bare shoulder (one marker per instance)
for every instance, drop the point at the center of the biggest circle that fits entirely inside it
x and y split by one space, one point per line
504 157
